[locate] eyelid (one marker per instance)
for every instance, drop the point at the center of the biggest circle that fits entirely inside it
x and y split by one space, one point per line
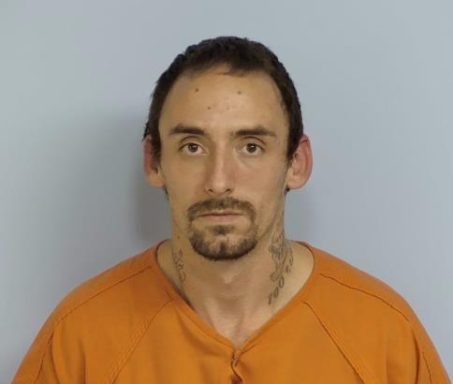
185 138
188 140
254 138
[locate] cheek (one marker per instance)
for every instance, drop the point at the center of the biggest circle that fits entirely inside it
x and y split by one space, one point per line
181 176
265 191
267 179
183 186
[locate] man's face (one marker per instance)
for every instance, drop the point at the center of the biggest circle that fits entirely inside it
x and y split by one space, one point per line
224 139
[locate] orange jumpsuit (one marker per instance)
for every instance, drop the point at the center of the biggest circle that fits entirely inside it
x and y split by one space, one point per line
129 325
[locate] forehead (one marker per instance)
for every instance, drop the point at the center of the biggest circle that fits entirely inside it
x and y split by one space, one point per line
221 101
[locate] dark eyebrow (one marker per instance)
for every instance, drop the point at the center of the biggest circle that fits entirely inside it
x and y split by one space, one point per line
179 129
256 131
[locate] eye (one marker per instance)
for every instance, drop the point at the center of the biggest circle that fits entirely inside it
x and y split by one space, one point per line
191 148
253 148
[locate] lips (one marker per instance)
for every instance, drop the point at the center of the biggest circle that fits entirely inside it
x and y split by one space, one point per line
220 213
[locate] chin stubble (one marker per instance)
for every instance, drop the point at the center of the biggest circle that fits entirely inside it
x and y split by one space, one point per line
221 248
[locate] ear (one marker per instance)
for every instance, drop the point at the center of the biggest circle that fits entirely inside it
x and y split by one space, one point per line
301 165
153 171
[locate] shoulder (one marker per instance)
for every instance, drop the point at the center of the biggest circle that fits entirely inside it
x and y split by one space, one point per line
373 325
96 323
338 279
123 285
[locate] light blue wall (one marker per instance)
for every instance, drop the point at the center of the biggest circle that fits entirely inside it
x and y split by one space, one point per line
376 84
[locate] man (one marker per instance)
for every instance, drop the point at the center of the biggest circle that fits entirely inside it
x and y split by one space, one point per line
228 298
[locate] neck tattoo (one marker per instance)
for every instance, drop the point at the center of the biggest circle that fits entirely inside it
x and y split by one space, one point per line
282 254
179 265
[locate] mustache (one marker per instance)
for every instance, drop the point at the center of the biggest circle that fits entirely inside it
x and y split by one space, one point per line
228 203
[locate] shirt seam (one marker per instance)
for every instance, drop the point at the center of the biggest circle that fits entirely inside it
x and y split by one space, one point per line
367 293
127 352
97 293
422 351
62 317
359 367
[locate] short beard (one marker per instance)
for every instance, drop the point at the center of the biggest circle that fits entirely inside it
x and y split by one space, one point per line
223 251
221 247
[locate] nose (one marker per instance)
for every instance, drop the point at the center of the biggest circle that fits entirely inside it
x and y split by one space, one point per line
220 173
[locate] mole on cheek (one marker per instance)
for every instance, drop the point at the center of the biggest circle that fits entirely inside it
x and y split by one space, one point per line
209 107
196 89
239 92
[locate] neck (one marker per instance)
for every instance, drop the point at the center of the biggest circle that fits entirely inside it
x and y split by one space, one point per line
237 296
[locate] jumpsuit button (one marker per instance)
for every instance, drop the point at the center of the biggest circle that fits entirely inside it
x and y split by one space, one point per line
236 380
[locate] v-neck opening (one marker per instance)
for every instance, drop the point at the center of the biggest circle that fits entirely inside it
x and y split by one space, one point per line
210 331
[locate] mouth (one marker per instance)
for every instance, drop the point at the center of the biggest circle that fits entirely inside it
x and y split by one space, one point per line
221 213
221 216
